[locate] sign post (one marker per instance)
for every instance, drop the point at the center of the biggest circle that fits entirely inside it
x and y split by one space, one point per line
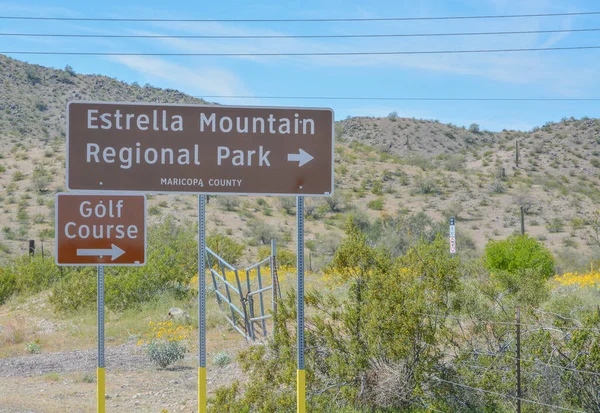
201 304
452 237
100 374
301 378
98 230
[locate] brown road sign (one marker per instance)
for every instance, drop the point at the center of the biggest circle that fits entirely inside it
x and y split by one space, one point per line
107 229
199 148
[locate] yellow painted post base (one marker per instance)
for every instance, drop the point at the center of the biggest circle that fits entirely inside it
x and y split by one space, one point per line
202 390
101 390
301 391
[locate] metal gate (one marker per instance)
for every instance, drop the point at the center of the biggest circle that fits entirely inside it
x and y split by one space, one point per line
237 298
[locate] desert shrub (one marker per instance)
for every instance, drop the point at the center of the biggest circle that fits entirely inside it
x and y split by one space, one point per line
226 248
455 210
498 187
335 203
33 347
395 235
454 163
519 252
425 185
77 290
285 258
33 76
70 70
288 204
379 366
376 204
163 353
8 284
41 178
28 275
222 359
556 225
260 231
474 128
228 203
18 176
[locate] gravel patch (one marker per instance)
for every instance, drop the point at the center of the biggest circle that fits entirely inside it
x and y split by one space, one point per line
126 357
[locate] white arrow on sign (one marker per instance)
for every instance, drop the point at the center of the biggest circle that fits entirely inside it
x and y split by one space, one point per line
302 157
115 252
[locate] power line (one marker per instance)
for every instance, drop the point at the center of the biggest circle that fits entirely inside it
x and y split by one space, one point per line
502 354
290 36
509 323
508 396
343 19
402 98
258 54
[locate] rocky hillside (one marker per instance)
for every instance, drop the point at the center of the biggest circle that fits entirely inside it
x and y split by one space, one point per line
384 167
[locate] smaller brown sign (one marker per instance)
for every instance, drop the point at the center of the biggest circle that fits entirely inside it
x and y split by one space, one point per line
107 229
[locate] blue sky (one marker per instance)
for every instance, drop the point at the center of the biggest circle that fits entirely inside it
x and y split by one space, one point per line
554 74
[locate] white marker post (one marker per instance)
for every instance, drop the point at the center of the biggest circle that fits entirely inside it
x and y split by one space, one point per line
452 237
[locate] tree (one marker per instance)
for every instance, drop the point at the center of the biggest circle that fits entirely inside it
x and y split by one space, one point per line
474 128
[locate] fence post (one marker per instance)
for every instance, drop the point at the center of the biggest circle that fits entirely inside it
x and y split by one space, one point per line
31 247
274 278
519 393
522 220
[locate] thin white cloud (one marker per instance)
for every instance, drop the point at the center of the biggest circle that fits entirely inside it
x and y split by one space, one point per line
541 69
201 80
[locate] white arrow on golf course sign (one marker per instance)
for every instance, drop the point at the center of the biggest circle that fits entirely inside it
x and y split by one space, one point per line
114 252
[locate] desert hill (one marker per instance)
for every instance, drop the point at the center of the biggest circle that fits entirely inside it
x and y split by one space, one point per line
385 167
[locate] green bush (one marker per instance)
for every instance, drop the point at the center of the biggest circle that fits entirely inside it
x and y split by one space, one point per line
284 257
171 263
165 352
519 252
8 284
376 204
226 248
75 291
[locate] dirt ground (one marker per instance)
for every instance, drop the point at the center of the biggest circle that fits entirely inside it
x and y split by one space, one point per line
59 382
